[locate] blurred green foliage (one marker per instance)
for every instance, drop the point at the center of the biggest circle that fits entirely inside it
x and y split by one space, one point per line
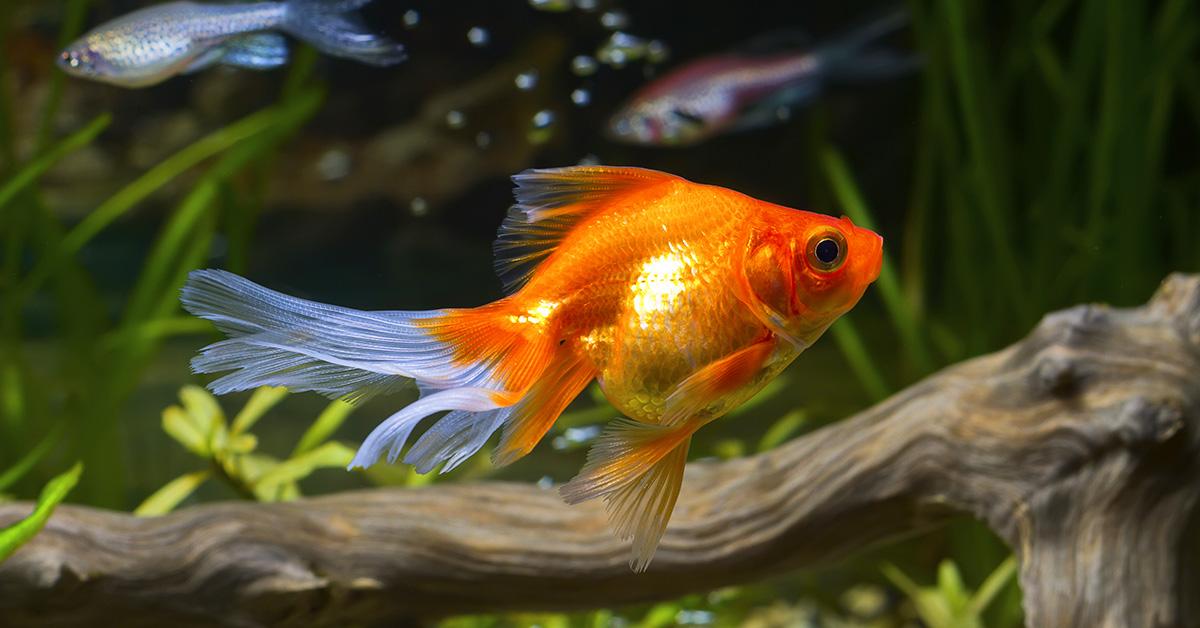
1042 178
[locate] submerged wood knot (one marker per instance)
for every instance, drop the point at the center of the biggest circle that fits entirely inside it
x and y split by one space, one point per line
1055 374
1077 326
1143 421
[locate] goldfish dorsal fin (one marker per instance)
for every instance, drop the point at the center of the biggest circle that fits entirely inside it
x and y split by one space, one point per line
550 202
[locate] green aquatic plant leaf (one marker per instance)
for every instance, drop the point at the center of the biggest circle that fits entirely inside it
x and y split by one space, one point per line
13 474
782 430
217 142
328 422
36 168
198 424
331 455
850 342
18 534
168 498
260 403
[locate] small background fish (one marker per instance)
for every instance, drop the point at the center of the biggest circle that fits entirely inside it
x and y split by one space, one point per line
153 44
739 91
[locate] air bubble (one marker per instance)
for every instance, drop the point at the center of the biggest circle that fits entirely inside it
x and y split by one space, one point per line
483 139
527 80
584 65
411 19
478 36
541 126
587 5
581 97
614 20
419 207
456 119
657 51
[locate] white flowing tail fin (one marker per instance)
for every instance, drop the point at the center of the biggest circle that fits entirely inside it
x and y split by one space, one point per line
475 363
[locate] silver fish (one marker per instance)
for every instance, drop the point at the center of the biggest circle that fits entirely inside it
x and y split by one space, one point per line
153 44
737 91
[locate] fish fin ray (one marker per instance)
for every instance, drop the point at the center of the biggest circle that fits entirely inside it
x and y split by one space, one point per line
720 377
550 203
640 510
623 453
279 340
563 380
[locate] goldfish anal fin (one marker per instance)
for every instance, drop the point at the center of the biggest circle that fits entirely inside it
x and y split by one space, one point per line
564 378
550 202
716 379
623 453
640 510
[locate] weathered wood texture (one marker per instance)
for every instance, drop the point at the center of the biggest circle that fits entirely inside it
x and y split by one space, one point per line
1077 445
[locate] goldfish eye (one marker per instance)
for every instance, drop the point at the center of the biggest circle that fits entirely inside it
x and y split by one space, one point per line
827 251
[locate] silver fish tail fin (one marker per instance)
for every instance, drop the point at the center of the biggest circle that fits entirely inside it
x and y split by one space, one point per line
333 27
856 55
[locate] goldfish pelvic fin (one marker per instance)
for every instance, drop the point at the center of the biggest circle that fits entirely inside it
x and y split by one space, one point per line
716 379
563 380
623 453
640 510
550 203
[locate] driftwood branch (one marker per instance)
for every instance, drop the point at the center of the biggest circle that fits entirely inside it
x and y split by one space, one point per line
1078 445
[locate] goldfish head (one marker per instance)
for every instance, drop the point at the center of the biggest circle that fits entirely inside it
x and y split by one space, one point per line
814 270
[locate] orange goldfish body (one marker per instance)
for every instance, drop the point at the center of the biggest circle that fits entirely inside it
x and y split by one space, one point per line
681 299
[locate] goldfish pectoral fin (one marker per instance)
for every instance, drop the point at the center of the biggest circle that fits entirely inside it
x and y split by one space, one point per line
716 379
623 453
550 202
257 51
640 510
564 378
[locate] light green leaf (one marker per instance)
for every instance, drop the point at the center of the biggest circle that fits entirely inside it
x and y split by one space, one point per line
36 168
326 424
993 585
178 425
729 448
260 402
206 415
169 497
782 429
20 533
329 455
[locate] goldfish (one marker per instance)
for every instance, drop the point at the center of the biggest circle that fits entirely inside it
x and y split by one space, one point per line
153 44
681 299
740 91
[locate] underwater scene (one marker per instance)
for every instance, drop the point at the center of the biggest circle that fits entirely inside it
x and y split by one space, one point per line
450 299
